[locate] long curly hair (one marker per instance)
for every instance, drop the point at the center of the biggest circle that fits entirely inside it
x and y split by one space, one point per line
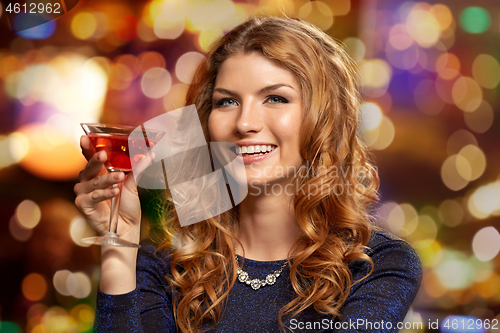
335 220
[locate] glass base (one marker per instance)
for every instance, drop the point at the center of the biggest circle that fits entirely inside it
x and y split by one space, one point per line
109 239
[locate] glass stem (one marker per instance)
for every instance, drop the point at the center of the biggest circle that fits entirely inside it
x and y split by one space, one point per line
115 206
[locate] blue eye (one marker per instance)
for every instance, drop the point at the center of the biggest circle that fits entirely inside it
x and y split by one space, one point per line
225 102
277 99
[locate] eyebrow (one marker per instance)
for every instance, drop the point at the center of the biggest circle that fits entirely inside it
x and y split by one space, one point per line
260 92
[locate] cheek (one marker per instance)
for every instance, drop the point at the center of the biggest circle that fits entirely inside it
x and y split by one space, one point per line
216 126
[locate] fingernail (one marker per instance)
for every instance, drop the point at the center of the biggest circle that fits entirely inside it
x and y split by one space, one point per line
119 176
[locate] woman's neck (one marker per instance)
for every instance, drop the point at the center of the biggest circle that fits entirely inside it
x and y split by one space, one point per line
268 228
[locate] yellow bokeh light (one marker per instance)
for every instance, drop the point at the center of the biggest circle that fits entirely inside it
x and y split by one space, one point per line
467 94
47 160
486 71
340 7
79 228
486 243
165 29
355 48
455 271
317 13
375 76
28 214
451 177
83 25
276 7
34 287
485 201
481 119
207 37
410 220
490 287
385 135
430 255
443 15
423 27
425 233
476 159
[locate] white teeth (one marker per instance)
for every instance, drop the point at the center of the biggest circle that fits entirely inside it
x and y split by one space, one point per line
254 149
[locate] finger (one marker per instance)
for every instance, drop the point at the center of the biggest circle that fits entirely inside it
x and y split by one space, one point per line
94 166
89 200
86 147
137 171
99 182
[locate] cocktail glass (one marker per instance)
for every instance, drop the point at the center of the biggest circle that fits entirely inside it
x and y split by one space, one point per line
116 141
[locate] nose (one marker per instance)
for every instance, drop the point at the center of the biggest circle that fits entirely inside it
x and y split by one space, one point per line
249 120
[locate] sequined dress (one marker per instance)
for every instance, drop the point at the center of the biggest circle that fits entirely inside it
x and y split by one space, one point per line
377 304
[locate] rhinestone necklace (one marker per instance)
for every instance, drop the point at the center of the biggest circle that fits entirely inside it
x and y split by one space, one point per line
256 283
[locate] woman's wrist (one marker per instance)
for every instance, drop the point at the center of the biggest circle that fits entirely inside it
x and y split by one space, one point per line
118 269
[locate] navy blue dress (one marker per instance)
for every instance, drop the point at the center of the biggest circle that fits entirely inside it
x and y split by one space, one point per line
377 304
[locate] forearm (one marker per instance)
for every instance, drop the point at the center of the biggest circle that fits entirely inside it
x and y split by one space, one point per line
118 268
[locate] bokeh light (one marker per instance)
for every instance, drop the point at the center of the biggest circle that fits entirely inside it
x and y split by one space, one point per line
486 71
481 119
186 66
475 20
28 214
486 243
156 82
34 287
79 229
451 213
467 94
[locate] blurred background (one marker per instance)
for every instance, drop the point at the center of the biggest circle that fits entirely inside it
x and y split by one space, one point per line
431 78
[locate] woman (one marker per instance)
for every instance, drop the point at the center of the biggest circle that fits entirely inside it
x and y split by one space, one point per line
299 253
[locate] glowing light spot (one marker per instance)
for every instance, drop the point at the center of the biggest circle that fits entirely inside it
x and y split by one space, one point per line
481 119
207 37
423 28
448 66
126 28
451 177
28 214
83 25
84 316
467 94
340 7
396 218
425 232
167 29
156 82
9 327
443 15
430 255
375 76
485 201
486 71
458 140
17 232
65 282
317 13
19 146
385 135
399 37
486 243
186 66
79 228
475 20
410 220
34 287
355 48
56 319
451 213
403 59
371 116
84 285
455 272
490 287
476 159
148 60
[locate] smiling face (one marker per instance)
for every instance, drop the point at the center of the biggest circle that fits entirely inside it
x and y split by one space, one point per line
257 105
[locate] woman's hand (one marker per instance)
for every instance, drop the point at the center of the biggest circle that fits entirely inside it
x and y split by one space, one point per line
96 188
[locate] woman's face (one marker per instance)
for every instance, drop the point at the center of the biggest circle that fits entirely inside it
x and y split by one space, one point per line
257 105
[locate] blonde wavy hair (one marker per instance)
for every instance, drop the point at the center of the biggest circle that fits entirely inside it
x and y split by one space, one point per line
335 226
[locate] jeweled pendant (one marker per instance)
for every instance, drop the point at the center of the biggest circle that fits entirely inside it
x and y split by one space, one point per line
255 284
242 276
271 279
